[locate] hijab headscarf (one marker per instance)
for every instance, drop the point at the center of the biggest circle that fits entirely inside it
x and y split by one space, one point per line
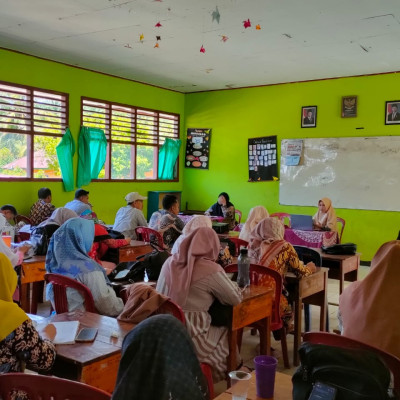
369 308
13 257
11 315
194 260
327 218
60 216
266 240
256 215
68 249
198 221
217 208
176 375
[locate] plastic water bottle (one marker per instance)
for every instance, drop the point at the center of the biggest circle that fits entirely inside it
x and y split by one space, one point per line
243 278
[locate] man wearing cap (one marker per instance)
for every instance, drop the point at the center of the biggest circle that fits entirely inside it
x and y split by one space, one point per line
80 203
131 216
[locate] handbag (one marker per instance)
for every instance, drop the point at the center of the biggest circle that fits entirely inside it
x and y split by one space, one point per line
357 374
343 248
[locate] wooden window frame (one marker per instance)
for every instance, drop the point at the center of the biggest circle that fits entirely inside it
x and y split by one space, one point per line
133 135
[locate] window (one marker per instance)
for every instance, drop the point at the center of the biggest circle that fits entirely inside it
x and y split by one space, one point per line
134 137
32 121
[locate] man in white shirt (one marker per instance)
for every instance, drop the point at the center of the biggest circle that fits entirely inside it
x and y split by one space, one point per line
80 203
131 216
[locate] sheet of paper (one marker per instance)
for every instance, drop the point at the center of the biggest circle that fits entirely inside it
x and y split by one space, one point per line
66 332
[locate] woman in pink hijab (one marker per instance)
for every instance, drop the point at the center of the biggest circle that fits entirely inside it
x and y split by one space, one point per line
192 279
325 218
369 308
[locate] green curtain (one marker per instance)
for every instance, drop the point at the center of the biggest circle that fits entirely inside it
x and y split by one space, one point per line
167 158
92 152
65 153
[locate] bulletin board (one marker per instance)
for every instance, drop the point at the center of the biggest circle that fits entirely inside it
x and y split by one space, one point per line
198 148
354 172
263 163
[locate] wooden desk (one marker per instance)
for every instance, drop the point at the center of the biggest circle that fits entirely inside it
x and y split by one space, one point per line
341 266
131 252
310 289
93 363
256 305
282 391
32 272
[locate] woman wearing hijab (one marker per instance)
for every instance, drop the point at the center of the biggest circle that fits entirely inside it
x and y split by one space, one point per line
267 247
16 257
368 308
175 376
198 221
223 208
256 215
68 255
192 279
19 341
325 218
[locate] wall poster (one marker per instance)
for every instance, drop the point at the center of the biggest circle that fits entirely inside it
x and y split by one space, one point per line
263 159
197 148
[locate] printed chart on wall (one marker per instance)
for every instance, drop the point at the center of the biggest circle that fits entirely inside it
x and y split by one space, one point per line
197 148
262 159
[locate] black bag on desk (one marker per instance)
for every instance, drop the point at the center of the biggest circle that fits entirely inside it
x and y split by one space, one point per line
342 248
40 238
357 374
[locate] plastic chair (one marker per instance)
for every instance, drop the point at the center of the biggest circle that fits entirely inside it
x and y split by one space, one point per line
282 217
331 339
60 285
207 372
342 222
306 255
238 244
257 277
169 307
22 218
238 213
40 387
150 236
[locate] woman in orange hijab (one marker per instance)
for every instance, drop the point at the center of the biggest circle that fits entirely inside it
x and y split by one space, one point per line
369 308
325 218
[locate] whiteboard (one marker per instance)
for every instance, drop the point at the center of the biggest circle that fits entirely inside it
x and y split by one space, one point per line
354 172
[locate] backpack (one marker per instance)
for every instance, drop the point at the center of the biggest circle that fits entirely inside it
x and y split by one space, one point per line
357 374
40 238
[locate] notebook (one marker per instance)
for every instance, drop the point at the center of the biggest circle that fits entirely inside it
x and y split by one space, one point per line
301 222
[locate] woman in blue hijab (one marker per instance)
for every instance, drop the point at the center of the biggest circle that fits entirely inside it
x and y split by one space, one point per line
68 255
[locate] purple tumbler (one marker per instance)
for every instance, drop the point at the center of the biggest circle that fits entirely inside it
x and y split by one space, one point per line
265 375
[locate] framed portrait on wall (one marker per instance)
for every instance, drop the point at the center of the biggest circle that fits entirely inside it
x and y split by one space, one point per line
309 117
349 106
392 112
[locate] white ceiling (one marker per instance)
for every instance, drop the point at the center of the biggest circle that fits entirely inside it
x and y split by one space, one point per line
299 39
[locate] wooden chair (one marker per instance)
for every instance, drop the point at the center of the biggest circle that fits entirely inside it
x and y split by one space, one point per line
258 274
238 244
283 217
150 236
342 223
331 339
60 285
40 387
238 214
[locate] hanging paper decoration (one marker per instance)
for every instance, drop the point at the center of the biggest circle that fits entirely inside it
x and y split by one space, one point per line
258 27
158 24
202 49
141 37
224 38
247 24
158 37
215 15
156 45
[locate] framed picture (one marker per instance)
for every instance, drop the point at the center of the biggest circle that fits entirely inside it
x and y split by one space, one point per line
309 117
349 106
392 112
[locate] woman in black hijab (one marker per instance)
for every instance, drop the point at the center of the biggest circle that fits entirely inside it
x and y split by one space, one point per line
223 208
159 362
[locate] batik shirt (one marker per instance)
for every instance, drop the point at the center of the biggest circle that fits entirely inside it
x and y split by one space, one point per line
40 211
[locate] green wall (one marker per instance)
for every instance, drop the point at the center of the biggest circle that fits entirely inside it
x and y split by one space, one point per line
239 114
106 197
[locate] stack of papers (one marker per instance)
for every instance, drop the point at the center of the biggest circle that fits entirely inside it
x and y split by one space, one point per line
66 332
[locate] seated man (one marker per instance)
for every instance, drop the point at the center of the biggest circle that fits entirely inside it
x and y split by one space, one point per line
80 203
9 213
131 216
43 208
166 221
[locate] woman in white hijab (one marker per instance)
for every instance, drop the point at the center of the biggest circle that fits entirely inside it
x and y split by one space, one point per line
198 221
256 215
